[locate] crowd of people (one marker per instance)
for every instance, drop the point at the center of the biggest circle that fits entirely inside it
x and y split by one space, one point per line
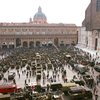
52 61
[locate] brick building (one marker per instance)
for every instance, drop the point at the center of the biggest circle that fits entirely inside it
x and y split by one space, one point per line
92 25
92 16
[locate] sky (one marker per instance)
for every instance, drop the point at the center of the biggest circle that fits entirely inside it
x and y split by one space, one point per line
56 11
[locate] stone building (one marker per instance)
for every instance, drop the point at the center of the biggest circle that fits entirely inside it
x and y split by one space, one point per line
92 25
92 16
37 32
85 39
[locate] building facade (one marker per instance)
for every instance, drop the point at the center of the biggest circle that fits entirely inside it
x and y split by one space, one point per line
37 33
85 38
92 16
92 26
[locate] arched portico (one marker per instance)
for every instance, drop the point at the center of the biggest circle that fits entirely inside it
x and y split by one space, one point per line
62 43
11 45
56 41
18 42
38 43
31 44
25 44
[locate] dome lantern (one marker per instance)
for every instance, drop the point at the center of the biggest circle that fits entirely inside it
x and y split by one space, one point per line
39 10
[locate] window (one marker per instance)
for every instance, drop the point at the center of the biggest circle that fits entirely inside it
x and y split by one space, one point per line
98 5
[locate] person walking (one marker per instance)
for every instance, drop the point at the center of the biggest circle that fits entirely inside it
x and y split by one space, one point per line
19 75
14 81
29 80
25 82
5 80
96 94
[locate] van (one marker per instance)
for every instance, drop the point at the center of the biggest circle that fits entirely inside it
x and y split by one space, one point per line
79 92
66 86
56 86
81 68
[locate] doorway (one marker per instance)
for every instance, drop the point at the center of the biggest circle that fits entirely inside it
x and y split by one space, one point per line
56 41
31 44
38 44
4 46
18 42
11 46
25 44
96 43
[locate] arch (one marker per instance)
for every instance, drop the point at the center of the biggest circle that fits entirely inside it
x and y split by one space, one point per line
18 42
25 44
31 44
38 43
56 41
11 45
62 43
73 43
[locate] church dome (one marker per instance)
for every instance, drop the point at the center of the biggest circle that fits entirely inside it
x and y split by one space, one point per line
40 14
39 17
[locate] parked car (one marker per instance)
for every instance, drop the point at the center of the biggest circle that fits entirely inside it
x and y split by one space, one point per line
38 88
49 65
17 67
12 66
97 68
81 68
88 79
72 63
79 92
56 86
92 63
4 69
78 81
56 96
88 94
11 75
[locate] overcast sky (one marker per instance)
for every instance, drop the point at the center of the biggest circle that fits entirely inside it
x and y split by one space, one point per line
57 11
